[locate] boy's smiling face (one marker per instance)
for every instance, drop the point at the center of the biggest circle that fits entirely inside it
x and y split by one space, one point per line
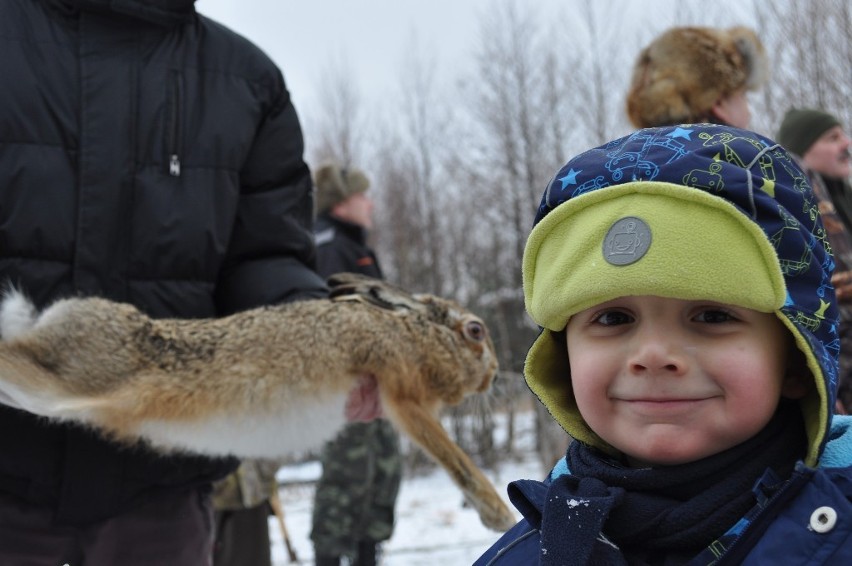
669 381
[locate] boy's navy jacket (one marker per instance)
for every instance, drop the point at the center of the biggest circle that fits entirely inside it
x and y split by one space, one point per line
805 518
782 536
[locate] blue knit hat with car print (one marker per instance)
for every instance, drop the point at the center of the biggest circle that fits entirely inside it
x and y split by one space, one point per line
692 212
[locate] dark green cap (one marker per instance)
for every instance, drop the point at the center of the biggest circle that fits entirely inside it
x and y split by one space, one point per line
801 127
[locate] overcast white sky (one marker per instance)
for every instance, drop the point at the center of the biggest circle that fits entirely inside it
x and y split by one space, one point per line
305 37
369 40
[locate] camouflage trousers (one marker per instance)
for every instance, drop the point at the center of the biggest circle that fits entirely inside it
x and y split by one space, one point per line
356 494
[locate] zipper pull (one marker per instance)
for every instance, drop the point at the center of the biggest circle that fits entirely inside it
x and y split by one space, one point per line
174 165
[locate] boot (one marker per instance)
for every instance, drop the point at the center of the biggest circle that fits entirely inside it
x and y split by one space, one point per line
326 560
366 553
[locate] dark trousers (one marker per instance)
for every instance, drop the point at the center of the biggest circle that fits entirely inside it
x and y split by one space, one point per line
176 531
242 537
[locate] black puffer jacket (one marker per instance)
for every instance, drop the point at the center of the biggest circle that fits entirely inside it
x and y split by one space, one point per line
150 156
342 246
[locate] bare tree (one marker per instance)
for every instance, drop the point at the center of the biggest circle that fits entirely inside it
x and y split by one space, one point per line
413 198
517 105
339 130
809 52
600 84
458 173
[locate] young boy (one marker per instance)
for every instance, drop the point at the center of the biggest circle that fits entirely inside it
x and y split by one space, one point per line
681 276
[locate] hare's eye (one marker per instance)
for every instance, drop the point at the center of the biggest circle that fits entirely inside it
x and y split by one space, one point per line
475 331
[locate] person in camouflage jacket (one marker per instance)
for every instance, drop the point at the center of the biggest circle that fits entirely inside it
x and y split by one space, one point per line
362 466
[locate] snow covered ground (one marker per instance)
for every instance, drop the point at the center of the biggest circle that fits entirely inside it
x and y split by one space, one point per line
433 527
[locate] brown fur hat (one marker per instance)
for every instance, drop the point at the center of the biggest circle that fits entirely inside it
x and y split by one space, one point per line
334 184
681 75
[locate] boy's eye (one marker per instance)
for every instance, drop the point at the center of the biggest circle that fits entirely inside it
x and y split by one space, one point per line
612 318
714 316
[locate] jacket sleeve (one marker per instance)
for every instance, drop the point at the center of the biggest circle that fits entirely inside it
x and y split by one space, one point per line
271 254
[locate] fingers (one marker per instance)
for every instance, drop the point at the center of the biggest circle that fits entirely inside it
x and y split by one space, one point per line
842 282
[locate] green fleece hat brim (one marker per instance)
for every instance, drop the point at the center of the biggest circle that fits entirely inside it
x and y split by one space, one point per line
701 247
694 253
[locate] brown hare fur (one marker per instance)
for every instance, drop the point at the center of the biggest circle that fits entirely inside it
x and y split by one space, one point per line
260 383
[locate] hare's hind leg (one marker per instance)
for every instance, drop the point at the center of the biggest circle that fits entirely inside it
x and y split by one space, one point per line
17 314
424 429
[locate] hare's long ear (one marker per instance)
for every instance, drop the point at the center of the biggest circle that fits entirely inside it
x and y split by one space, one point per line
356 287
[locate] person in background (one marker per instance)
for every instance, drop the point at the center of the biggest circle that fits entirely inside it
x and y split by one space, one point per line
241 504
689 345
150 156
822 145
697 74
362 467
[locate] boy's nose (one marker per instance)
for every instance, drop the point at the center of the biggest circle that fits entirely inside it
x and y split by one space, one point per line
657 350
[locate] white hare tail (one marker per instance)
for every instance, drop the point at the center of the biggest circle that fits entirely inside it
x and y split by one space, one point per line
17 314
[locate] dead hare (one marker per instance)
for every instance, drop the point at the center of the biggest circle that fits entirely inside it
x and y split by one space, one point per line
260 383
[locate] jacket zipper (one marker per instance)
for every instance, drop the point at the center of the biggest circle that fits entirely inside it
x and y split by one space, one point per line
738 550
500 553
173 129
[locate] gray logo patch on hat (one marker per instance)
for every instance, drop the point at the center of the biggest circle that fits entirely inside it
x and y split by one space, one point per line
627 241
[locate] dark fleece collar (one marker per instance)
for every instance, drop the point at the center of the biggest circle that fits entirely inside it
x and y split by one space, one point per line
603 512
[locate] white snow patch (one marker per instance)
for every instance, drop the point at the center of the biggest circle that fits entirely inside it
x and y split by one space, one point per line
433 526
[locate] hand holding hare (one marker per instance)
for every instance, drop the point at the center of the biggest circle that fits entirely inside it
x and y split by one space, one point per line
260 383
